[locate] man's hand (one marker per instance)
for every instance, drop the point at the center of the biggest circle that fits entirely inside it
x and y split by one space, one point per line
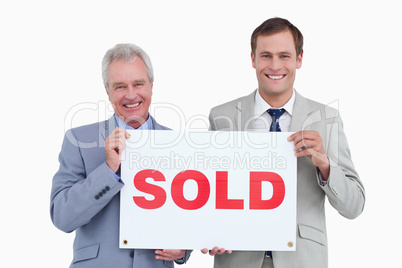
215 250
309 143
169 254
114 145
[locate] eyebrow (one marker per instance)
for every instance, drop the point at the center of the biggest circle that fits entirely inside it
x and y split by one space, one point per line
279 53
123 83
117 84
139 80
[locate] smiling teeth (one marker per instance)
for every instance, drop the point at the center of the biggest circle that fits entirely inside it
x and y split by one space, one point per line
132 105
276 76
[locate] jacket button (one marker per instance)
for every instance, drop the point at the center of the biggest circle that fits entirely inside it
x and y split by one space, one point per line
96 197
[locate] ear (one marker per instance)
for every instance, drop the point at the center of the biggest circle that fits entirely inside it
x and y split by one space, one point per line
253 60
299 61
152 86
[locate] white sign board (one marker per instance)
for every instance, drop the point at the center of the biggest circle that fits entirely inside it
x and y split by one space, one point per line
194 190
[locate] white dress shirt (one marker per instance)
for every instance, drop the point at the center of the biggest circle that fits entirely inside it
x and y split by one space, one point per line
263 120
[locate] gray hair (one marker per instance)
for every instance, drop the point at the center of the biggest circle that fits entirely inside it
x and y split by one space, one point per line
125 52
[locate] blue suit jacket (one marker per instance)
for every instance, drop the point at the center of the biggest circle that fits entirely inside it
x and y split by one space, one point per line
85 198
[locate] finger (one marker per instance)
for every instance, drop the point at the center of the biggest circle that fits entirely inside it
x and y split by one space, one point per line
303 145
221 251
310 153
170 254
121 133
313 141
290 138
115 144
296 136
117 139
160 255
121 144
305 134
214 251
204 250
304 152
116 135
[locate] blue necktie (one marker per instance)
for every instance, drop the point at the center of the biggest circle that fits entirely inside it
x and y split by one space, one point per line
275 114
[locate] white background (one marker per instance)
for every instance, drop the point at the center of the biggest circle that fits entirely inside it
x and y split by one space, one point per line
50 62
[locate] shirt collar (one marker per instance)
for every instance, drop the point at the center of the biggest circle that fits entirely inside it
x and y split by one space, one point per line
261 106
146 126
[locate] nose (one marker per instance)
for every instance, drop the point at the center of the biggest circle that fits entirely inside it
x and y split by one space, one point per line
275 64
131 93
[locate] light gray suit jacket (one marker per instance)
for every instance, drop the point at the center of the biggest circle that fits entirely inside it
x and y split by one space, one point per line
85 198
344 189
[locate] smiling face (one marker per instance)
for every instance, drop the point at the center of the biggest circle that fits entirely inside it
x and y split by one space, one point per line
276 61
130 91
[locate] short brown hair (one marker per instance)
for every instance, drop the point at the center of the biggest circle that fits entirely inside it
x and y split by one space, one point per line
277 25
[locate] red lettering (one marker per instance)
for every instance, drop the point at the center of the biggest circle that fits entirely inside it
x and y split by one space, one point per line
158 192
256 179
222 201
203 190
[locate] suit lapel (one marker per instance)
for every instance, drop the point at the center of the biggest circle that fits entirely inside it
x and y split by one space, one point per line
245 113
107 127
299 115
304 115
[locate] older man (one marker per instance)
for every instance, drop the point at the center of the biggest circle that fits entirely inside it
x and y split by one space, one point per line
85 192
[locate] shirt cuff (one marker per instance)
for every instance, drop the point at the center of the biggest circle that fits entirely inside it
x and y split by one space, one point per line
320 178
115 175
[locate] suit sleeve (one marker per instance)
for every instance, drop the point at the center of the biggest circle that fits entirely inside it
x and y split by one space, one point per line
344 189
76 197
